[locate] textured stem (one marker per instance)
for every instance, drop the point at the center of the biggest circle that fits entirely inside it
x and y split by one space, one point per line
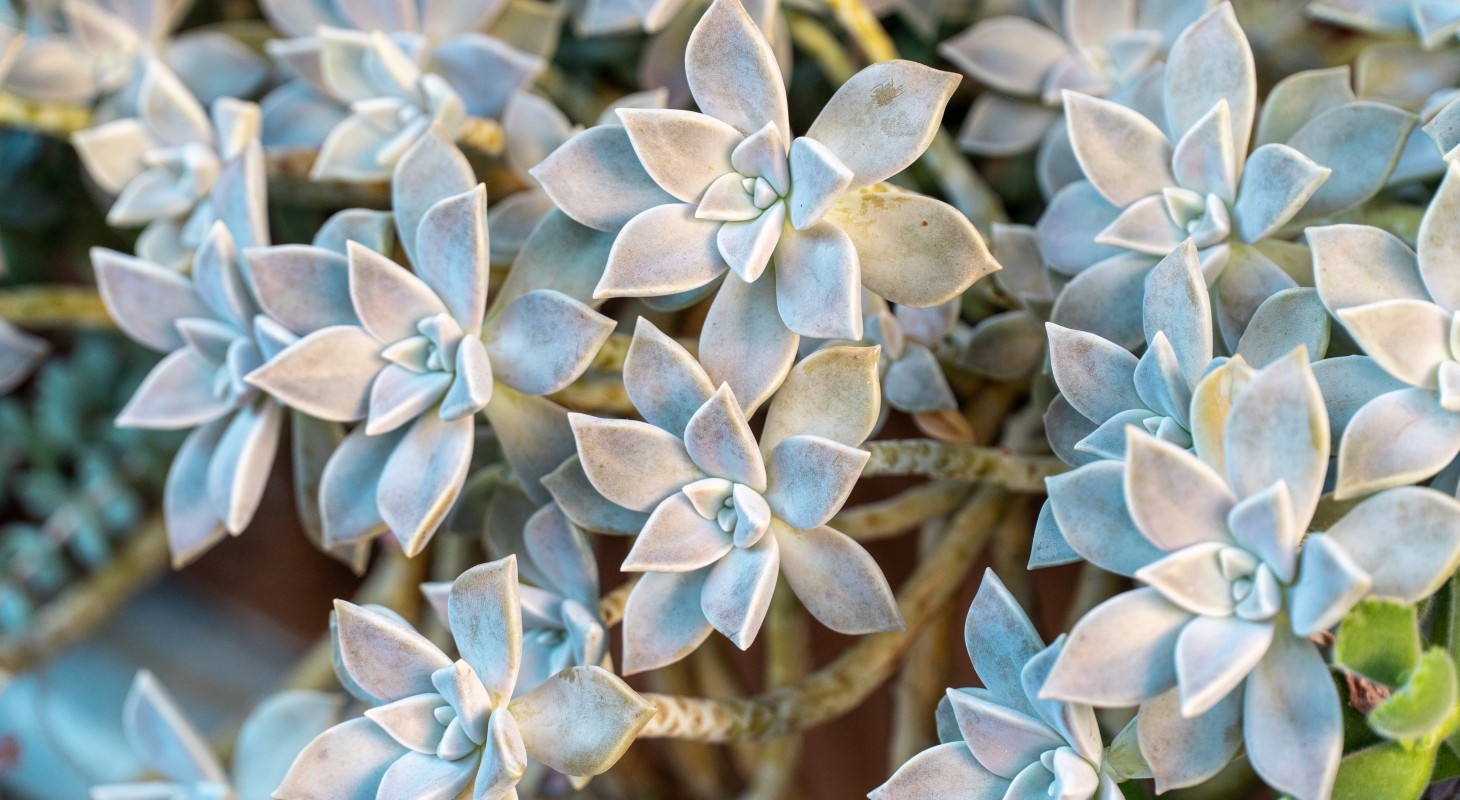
902 512
54 306
924 672
696 770
965 462
813 39
611 605
48 118
86 606
844 683
596 393
788 659
864 28
482 135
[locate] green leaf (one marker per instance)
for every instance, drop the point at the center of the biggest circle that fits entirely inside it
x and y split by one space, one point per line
1424 705
1124 758
1447 764
1389 770
1379 640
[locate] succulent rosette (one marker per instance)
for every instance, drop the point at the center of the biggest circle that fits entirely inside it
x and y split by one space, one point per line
181 762
1095 47
913 381
415 355
161 164
1400 306
728 515
1104 388
1434 24
215 332
373 76
440 727
561 626
1009 741
1215 648
801 223
1198 170
84 51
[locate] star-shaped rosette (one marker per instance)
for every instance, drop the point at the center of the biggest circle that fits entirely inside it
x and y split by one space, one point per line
561 626
440 728
801 223
372 76
1215 648
215 332
92 51
181 762
1095 47
1104 388
162 163
1010 742
726 516
1400 306
1196 168
425 357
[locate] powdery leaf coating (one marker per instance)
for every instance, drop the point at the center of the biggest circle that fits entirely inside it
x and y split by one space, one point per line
459 722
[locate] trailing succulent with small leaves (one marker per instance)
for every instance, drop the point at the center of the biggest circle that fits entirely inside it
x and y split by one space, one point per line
691 277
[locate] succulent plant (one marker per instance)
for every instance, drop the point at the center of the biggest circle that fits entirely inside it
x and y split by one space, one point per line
1092 47
209 323
163 163
180 763
79 51
1399 305
1011 742
561 625
726 515
693 196
444 727
1186 172
1215 647
415 356
373 76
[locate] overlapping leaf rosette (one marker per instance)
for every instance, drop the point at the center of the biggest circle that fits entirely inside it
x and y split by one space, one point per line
440 727
85 51
1004 740
558 593
785 231
181 762
726 516
161 164
1197 169
373 76
213 327
1401 422
913 381
413 356
1242 562
1098 48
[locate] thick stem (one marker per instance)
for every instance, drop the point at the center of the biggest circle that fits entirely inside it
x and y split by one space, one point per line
924 673
44 117
86 606
844 683
611 605
788 659
54 306
902 512
993 466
